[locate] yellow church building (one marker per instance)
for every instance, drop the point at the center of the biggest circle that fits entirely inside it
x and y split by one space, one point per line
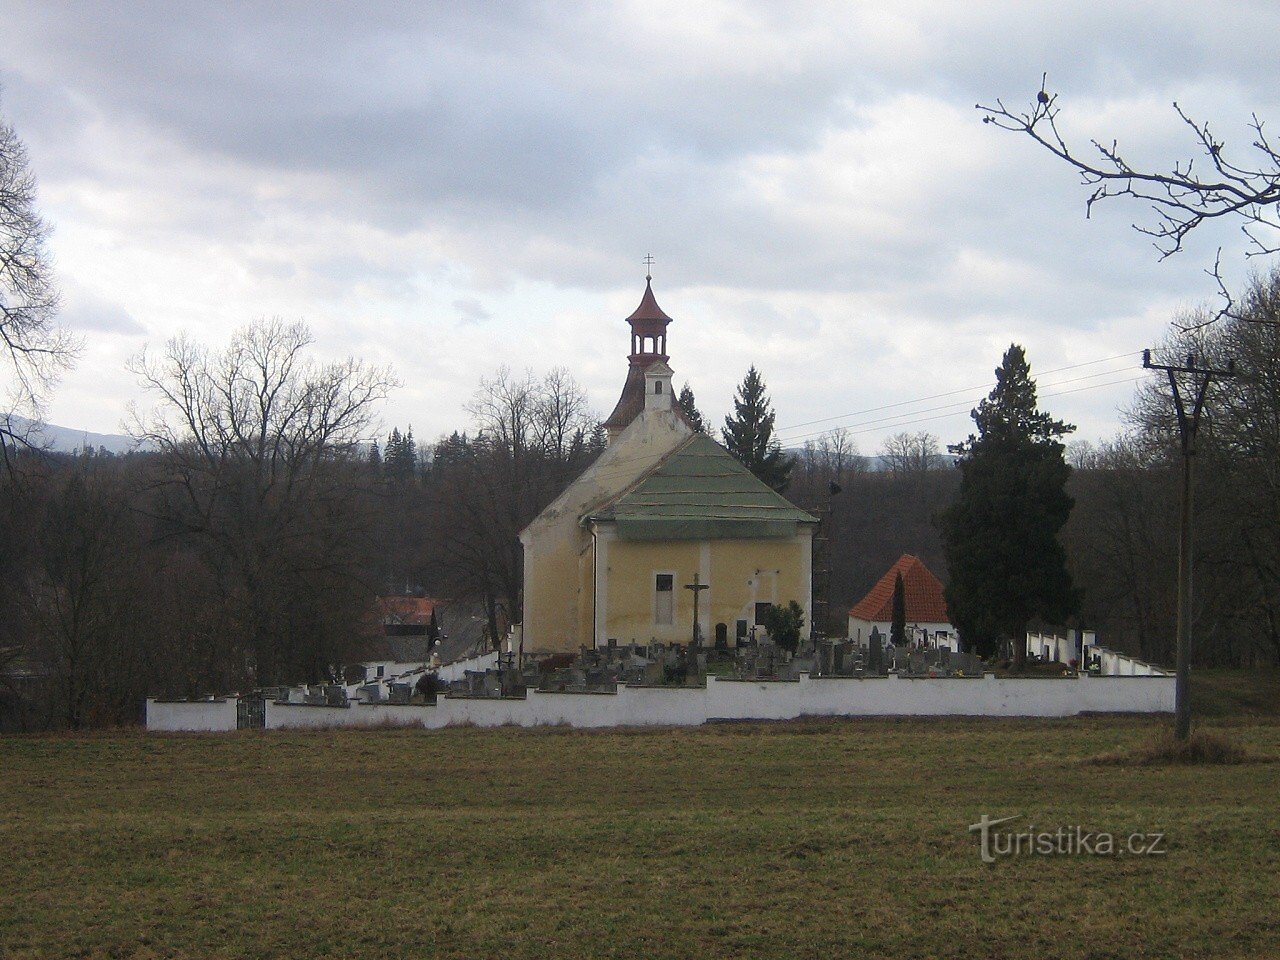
662 509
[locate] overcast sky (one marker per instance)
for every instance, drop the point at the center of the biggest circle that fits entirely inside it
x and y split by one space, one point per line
450 187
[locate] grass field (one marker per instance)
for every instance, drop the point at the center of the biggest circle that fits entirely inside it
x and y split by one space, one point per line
814 839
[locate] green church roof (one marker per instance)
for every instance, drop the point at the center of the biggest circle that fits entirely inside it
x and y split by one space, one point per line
701 492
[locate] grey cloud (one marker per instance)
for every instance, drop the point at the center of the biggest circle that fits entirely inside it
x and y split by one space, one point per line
502 122
558 143
84 311
471 311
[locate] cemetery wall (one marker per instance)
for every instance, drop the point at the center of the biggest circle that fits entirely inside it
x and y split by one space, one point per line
1115 664
204 716
301 716
458 668
719 700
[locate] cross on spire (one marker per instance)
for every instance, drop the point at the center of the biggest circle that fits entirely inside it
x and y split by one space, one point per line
648 266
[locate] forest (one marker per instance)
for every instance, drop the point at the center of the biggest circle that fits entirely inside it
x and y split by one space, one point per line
244 542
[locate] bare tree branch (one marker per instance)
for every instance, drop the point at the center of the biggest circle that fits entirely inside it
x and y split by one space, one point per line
1180 199
34 351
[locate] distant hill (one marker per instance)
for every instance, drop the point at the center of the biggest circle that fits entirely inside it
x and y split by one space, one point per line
69 440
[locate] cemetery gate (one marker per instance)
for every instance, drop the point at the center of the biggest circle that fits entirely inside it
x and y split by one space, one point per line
251 713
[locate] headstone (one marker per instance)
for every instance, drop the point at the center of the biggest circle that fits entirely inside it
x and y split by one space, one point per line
875 653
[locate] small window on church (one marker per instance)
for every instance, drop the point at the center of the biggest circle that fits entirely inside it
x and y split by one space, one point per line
762 611
664 602
657 386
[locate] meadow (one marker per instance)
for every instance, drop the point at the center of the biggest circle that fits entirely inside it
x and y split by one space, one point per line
808 839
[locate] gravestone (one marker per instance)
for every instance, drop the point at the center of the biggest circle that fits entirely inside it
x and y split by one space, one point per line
875 652
335 696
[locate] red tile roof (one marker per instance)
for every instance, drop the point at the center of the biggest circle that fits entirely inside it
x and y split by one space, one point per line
925 603
406 609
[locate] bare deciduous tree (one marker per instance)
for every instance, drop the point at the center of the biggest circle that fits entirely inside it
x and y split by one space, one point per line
257 443
534 435
35 349
911 454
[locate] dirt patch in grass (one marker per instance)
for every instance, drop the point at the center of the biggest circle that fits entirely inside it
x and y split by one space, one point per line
1202 748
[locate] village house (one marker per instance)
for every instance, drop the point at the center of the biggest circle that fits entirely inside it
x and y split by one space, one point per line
664 521
927 620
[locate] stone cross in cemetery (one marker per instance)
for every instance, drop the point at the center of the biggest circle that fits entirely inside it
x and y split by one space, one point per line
697 587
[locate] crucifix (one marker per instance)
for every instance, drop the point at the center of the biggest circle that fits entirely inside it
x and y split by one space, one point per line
697 587
648 266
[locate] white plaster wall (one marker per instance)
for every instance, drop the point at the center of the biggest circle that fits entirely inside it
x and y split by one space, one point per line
458 669
286 716
211 716
720 700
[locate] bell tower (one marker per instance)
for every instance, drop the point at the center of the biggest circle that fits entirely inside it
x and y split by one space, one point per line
648 329
648 347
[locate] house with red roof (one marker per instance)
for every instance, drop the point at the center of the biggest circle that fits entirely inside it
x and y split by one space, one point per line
926 607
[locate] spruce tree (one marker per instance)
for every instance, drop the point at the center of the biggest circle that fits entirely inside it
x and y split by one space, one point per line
690 408
898 626
748 434
1006 564
401 459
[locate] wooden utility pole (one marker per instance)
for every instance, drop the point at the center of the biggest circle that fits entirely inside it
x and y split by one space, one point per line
820 566
1188 428
697 587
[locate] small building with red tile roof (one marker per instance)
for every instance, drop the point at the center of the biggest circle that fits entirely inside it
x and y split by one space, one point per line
927 617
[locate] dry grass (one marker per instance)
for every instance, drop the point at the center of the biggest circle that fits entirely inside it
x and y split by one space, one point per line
1202 747
821 839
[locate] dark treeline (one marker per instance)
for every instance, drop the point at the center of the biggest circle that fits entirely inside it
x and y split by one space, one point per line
246 546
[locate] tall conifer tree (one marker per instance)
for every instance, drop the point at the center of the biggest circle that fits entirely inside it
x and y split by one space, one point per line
1006 564
748 434
898 626
690 408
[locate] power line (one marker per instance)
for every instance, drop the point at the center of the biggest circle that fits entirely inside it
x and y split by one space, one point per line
906 419
952 393
954 409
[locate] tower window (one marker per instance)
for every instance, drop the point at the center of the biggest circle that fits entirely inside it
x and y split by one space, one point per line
657 386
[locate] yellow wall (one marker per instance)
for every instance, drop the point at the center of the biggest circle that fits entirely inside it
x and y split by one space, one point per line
741 573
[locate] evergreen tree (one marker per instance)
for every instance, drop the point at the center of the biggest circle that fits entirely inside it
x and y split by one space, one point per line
1006 564
898 626
598 440
401 460
375 460
690 408
748 434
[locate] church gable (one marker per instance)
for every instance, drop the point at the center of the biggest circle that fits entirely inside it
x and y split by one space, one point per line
701 492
